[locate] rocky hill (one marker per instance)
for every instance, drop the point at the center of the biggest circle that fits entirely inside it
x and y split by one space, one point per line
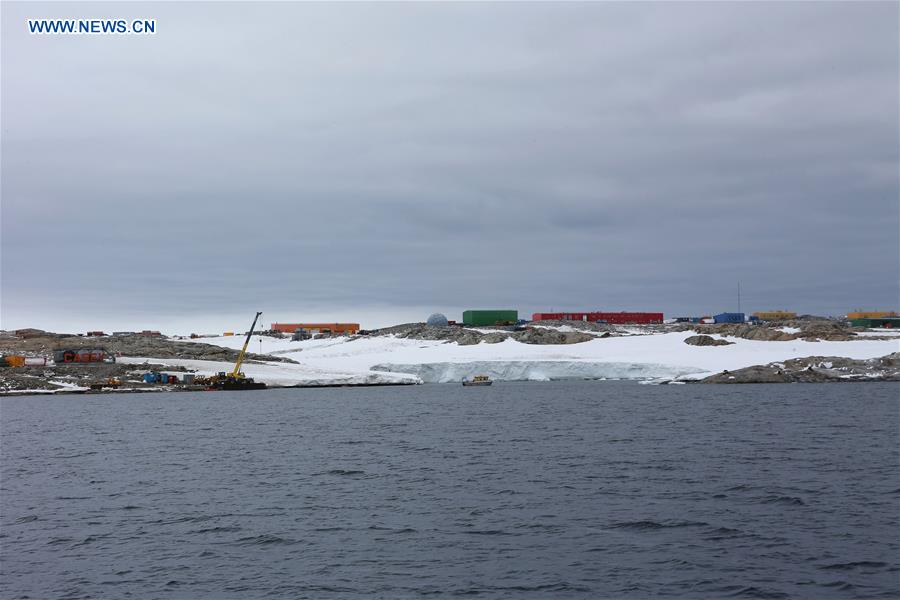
815 369
469 337
34 342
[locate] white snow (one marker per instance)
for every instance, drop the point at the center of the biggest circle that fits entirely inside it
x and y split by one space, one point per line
64 387
879 333
656 356
786 329
68 386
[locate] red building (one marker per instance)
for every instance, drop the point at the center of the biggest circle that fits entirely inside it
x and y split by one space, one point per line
619 318
79 356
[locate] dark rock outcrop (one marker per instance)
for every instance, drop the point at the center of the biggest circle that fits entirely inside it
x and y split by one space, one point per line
468 337
705 340
43 344
815 369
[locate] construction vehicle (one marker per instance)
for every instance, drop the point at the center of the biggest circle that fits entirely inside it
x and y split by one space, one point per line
235 380
111 382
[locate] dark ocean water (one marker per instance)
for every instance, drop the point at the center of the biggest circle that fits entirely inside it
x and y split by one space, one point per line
549 490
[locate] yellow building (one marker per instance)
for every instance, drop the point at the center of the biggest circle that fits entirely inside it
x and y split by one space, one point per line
872 314
774 315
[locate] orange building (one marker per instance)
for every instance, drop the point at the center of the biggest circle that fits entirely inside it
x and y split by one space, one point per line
313 328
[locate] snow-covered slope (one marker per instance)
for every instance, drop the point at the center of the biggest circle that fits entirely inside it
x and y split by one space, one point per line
630 357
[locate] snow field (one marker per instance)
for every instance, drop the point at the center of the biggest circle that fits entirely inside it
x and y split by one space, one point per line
656 356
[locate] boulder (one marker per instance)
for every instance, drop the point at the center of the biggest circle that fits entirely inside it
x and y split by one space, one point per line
542 335
705 340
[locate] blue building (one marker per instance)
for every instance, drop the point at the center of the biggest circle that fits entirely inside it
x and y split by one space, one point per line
729 318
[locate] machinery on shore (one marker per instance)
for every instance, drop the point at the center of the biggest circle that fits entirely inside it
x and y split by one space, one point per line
235 380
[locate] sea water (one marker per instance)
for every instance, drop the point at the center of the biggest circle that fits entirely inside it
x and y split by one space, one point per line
551 490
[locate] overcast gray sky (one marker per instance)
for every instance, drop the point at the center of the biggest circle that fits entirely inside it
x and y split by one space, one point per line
377 162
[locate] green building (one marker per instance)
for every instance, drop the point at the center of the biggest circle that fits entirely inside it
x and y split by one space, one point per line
872 323
490 317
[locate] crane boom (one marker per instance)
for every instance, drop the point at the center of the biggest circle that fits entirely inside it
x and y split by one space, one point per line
240 359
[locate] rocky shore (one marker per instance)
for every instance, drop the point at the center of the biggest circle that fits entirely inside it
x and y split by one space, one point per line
80 378
76 377
815 369
546 350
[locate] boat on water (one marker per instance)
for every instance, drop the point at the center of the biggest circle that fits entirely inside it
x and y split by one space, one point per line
478 380
227 383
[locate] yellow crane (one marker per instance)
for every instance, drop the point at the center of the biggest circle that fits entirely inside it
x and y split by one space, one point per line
236 380
236 373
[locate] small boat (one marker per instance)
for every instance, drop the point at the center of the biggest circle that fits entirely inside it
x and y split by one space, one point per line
478 380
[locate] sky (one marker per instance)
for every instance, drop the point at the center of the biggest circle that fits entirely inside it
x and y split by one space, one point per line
377 162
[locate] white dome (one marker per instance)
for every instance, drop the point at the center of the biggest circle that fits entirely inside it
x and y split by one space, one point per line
437 320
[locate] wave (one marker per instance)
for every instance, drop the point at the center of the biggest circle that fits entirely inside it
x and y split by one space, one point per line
26 519
341 472
221 529
861 564
646 525
755 592
265 539
792 500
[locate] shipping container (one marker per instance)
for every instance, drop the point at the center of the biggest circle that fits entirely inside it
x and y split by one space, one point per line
629 318
482 318
873 314
620 318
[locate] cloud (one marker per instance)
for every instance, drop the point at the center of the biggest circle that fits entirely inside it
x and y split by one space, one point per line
340 159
